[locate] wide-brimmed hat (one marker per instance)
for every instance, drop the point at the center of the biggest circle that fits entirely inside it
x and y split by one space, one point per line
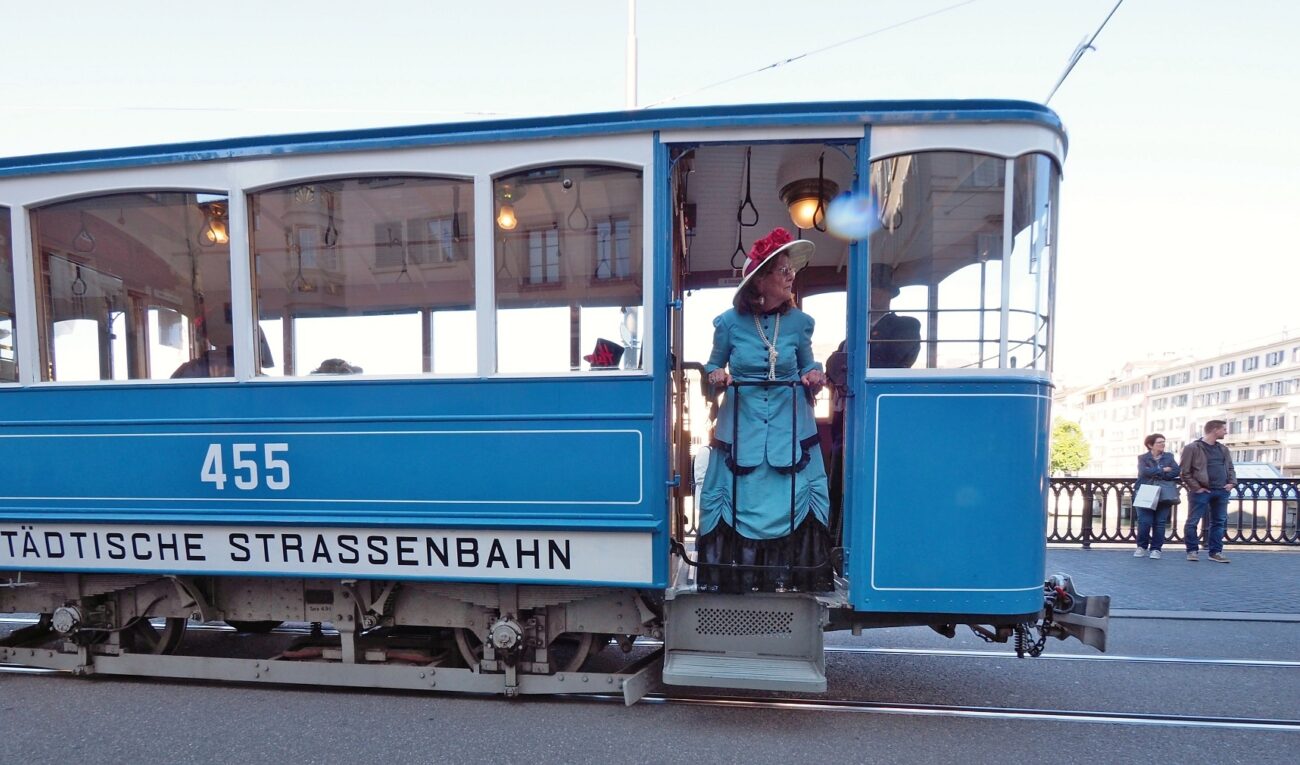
776 242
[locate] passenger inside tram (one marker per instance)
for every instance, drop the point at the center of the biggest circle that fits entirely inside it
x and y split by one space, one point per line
214 330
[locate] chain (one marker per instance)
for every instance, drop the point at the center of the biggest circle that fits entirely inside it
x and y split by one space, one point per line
771 345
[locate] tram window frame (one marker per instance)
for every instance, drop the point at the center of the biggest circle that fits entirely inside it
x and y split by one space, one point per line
544 201
1018 233
8 302
128 251
381 226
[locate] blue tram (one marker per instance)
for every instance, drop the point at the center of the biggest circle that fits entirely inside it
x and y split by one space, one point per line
437 387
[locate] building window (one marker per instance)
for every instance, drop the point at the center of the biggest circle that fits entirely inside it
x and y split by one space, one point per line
544 257
613 249
1159 403
1205 373
1243 393
1227 368
1178 401
1234 426
1250 364
1274 358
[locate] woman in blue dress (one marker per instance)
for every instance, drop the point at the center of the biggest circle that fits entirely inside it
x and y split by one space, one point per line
769 440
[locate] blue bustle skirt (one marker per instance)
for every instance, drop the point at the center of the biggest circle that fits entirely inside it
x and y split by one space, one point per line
761 535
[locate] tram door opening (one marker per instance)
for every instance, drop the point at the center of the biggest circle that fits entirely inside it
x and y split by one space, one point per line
724 198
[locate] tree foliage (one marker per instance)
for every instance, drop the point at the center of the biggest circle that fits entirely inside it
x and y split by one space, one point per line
1070 452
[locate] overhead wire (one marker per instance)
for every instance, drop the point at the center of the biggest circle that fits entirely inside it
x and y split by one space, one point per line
807 54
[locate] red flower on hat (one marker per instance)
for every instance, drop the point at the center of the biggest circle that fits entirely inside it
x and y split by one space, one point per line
766 246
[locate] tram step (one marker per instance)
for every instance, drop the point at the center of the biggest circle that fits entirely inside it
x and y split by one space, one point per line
763 641
752 672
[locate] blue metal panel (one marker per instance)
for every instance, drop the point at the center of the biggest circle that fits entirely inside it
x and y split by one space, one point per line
568 454
950 496
808 114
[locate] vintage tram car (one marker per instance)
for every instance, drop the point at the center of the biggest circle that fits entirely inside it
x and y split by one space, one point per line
342 379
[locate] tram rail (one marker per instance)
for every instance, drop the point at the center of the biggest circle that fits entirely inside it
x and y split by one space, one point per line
979 712
844 706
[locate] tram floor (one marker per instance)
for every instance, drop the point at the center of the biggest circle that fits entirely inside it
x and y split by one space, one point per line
49 718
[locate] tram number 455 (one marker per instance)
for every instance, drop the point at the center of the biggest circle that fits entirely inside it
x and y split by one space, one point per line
245 468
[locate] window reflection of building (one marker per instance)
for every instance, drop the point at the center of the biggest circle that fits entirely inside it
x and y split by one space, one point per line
568 265
374 270
121 278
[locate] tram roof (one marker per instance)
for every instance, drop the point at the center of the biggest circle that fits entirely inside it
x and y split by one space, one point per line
484 131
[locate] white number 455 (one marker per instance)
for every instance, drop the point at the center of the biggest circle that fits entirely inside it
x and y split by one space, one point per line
243 462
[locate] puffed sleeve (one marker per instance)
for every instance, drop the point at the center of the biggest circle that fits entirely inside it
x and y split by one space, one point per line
804 352
721 352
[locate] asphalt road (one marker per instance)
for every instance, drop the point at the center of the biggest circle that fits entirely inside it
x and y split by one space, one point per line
58 719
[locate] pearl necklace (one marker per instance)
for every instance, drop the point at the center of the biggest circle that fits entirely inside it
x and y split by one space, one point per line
771 345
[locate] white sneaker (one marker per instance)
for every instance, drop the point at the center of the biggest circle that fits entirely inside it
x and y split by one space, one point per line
1155 555
1140 553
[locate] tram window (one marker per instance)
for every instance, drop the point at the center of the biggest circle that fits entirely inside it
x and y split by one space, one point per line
376 271
1030 262
940 246
120 276
8 359
569 268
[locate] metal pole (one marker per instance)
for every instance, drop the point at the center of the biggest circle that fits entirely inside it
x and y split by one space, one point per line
631 54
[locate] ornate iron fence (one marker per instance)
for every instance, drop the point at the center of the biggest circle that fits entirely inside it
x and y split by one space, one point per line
1087 510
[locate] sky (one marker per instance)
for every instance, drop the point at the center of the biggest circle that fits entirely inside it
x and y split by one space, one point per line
1181 177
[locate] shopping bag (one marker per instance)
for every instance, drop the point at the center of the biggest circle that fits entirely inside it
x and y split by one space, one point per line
1147 496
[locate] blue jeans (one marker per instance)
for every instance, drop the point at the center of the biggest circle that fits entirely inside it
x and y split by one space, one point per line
1153 521
1213 506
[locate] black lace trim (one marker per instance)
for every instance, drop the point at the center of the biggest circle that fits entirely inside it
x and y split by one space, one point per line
730 460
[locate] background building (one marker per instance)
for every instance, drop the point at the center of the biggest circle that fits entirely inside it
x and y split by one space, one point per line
1256 389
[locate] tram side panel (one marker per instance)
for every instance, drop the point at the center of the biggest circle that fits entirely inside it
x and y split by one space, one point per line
509 482
948 500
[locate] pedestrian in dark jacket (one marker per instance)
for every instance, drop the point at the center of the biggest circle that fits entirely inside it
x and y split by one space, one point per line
1208 474
1154 467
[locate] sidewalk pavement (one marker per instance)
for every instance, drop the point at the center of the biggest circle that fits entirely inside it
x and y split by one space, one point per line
1256 581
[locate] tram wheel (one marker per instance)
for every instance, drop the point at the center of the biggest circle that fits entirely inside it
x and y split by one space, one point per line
255 628
568 652
140 636
469 646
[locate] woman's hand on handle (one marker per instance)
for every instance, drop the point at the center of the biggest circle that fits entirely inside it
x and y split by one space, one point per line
720 377
813 379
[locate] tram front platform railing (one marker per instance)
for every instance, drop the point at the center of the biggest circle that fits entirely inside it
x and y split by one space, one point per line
1261 511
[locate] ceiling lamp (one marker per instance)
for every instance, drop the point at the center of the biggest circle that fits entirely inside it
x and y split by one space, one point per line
507 195
806 198
214 231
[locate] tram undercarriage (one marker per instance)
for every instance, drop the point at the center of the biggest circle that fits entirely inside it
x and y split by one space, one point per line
479 638
475 638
